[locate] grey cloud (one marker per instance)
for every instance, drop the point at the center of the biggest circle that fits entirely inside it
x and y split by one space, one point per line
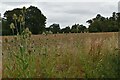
15 3
68 13
76 12
119 6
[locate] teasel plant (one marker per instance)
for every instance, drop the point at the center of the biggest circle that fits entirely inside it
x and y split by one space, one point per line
23 35
12 27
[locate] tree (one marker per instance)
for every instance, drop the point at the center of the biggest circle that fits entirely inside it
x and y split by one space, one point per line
55 28
89 21
5 27
82 28
34 19
78 28
102 24
65 30
74 28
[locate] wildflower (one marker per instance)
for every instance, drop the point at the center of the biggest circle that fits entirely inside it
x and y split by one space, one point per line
12 26
14 17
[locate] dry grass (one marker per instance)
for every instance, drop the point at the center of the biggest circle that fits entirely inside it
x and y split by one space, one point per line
0 57
60 55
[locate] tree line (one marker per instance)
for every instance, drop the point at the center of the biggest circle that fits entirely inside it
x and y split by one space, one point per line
35 20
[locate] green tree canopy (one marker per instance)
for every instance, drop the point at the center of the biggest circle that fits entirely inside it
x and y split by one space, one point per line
102 24
76 28
34 19
65 30
55 28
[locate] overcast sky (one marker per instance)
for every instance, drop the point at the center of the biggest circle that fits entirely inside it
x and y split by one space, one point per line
67 13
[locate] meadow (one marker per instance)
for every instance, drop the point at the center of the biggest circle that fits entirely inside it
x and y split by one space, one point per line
82 55
1 57
72 55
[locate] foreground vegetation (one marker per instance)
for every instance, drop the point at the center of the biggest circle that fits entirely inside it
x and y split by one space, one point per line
83 55
0 57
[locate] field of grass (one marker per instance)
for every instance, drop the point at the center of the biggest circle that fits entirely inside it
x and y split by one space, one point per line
82 55
1 57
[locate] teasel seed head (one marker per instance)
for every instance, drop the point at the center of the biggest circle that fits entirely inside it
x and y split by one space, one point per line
14 17
12 26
